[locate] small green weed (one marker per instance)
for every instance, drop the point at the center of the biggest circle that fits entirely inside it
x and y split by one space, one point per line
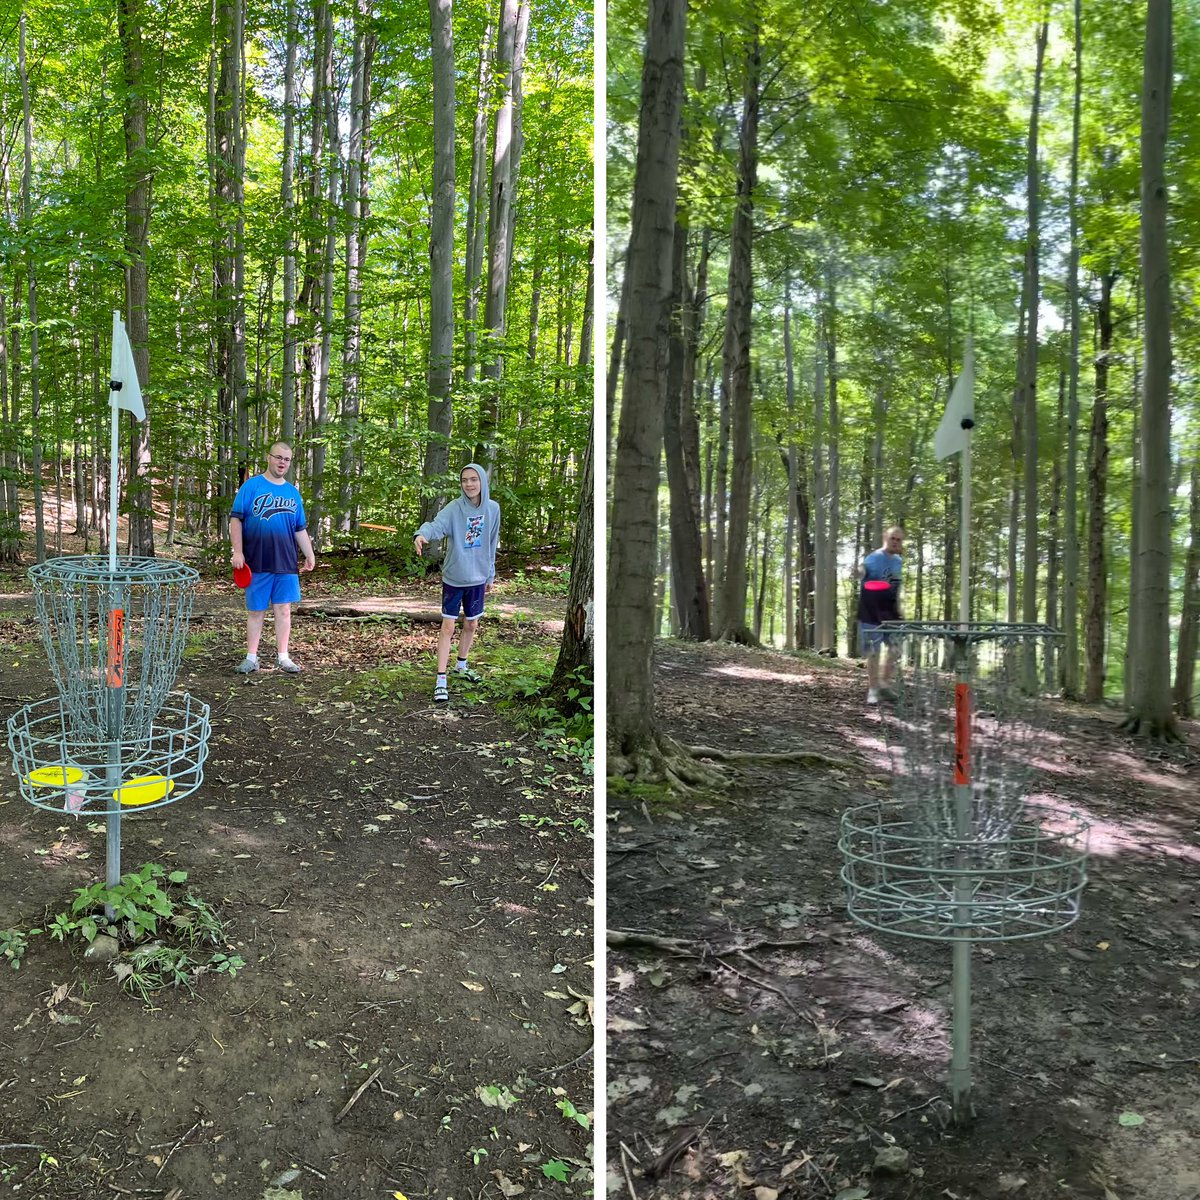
14 943
160 933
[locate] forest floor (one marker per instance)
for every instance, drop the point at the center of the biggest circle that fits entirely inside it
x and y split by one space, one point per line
776 1047
410 889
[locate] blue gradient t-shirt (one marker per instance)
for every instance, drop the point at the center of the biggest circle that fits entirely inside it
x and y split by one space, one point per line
271 515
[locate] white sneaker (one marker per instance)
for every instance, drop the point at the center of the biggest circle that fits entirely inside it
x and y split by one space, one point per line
872 696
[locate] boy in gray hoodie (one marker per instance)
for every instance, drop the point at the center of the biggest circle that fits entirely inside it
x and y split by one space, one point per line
471 525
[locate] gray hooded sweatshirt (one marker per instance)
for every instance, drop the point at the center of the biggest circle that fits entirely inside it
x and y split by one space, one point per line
472 533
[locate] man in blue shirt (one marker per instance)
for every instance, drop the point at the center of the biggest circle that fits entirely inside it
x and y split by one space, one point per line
879 601
266 527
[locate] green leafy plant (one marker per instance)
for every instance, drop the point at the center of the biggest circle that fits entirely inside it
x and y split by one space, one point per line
14 943
569 1111
158 931
555 1169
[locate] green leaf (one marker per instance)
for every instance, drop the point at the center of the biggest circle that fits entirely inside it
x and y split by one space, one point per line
555 1170
1130 1119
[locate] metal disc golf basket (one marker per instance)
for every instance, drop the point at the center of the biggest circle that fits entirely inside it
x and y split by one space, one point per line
957 854
116 738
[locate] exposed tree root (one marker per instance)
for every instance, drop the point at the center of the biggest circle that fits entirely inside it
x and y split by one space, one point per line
660 759
755 756
618 939
740 636
1154 728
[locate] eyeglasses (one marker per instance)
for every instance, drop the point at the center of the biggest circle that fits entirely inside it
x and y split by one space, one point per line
280 457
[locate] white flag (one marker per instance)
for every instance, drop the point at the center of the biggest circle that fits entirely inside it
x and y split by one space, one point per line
123 380
959 417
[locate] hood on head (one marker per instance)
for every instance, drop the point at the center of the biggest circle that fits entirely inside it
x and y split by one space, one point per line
484 490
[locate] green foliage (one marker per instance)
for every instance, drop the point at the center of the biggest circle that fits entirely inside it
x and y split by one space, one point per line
162 935
14 943
555 1169
569 1111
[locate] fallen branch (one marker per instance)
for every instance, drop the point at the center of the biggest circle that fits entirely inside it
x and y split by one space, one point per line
175 1147
563 1066
362 1088
620 938
765 758
770 987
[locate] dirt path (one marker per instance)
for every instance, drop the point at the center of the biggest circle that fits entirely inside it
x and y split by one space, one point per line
780 1046
410 889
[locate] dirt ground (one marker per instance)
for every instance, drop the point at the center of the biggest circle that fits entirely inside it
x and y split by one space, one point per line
777 1047
409 886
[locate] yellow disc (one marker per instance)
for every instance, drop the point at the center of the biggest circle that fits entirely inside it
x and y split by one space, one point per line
55 776
145 789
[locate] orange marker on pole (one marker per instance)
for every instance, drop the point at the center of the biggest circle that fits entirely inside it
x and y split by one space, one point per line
962 733
116 648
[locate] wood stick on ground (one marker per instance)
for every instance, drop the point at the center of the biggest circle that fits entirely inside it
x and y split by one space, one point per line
766 758
563 1066
620 938
362 1087
770 987
626 1155
175 1147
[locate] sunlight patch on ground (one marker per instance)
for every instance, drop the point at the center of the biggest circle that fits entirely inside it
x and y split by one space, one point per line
741 671
1109 838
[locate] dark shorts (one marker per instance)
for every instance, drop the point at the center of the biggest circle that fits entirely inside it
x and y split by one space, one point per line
266 589
468 600
871 639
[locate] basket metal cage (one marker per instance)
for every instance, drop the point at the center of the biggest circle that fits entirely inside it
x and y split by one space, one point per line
114 640
63 769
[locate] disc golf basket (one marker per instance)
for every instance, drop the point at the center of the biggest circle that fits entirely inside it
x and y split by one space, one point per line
116 737
957 854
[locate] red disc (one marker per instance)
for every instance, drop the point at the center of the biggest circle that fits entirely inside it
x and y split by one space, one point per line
242 576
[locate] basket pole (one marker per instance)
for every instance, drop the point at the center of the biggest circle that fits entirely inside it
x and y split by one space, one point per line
960 1049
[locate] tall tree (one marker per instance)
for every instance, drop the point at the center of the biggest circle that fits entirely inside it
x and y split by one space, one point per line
1151 711
736 380
441 257
499 204
139 174
637 745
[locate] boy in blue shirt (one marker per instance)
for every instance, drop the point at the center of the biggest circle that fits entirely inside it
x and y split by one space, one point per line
471 525
266 526
879 601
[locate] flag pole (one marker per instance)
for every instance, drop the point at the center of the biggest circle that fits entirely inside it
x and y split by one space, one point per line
114 386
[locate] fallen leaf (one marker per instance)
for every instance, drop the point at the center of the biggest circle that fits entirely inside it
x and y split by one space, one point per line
1130 1119
765 1193
618 1024
731 1158
869 1081
1011 1183
795 1165
471 985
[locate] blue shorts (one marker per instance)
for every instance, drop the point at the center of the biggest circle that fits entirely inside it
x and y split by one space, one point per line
266 589
467 599
871 639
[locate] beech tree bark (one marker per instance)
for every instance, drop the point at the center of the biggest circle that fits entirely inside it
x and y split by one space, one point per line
634 522
735 379
440 415
1151 711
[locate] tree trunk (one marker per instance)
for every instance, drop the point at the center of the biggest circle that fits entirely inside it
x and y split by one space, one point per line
35 402
1070 650
576 649
1096 615
291 93
823 638
688 592
1053 556
634 521
1189 617
1151 709
476 212
1029 577
357 203
137 235
789 538
735 376
441 255
835 483
498 259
